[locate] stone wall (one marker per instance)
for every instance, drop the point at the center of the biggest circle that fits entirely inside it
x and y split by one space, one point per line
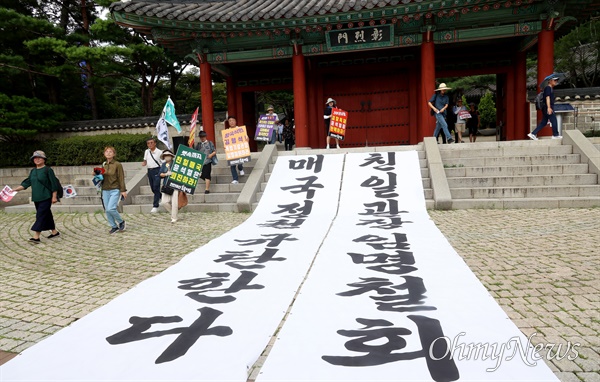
586 116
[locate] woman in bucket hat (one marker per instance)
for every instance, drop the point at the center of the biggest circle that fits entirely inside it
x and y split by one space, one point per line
330 104
44 187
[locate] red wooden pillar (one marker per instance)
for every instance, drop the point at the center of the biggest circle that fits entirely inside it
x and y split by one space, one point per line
300 106
521 119
206 93
427 88
545 65
231 99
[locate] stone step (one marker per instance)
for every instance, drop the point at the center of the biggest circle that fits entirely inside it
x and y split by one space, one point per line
459 151
215 188
200 197
192 207
514 203
526 192
527 180
513 161
576 168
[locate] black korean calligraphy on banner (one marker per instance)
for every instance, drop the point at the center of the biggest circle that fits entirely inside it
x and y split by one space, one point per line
210 316
384 291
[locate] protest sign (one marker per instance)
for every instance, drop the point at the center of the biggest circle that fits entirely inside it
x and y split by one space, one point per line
237 149
265 128
337 124
464 114
7 194
186 170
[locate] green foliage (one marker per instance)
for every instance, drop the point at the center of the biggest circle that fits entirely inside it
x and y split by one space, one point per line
487 110
75 151
464 84
282 101
22 117
578 54
592 133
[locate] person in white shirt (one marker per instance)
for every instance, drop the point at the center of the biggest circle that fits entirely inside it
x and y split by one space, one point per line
153 161
460 123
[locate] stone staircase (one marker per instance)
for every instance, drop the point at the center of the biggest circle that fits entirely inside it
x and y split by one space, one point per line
519 174
223 195
516 174
427 190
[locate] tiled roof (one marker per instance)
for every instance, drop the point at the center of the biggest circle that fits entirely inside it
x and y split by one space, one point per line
245 10
128 123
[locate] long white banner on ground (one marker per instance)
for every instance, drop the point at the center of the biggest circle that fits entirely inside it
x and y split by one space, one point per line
208 317
388 299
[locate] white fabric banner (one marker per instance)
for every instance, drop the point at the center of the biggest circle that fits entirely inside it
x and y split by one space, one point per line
208 317
386 288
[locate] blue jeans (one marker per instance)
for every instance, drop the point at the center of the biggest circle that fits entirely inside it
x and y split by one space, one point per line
441 124
154 181
544 122
111 200
234 173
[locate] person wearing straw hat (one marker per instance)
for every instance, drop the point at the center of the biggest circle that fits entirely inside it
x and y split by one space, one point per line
330 104
44 188
439 105
548 111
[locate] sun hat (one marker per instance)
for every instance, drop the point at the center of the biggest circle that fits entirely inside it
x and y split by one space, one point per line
38 154
270 108
330 100
442 87
167 152
202 133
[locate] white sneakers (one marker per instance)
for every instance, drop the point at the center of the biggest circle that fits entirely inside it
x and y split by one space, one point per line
242 173
154 210
532 136
327 147
235 182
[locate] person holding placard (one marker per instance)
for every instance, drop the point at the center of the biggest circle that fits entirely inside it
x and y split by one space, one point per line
208 148
459 110
170 196
330 104
232 123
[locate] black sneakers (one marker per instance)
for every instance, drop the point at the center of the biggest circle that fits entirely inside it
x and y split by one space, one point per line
34 241
53 235
122 226
113 230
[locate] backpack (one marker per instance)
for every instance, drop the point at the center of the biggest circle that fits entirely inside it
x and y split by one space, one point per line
539 100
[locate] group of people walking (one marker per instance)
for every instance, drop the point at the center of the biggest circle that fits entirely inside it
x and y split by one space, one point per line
467 119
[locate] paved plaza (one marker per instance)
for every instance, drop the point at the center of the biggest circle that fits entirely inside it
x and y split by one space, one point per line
542 266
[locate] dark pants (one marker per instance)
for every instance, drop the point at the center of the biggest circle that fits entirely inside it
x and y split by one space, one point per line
289 143
154 181
234 173
544 122
44 221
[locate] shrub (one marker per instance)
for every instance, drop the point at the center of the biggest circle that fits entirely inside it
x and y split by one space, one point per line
75 151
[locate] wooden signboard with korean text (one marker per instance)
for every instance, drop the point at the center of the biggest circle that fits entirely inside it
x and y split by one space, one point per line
235 142
265 128
186 170
337 124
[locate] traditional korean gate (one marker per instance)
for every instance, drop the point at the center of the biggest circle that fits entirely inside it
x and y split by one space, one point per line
378 107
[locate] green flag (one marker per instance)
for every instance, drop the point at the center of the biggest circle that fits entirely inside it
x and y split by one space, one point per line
169 115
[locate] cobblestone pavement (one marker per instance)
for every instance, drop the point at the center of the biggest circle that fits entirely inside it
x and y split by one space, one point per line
542 266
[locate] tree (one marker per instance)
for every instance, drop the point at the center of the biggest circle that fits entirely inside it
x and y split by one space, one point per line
578 54
487 110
